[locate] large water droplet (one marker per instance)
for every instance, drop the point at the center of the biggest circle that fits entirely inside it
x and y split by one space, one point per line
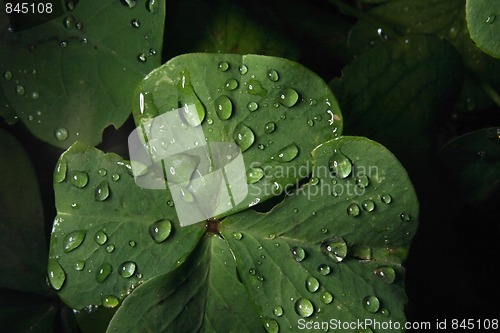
287 154
231 84
243 136
340 165
270 127
326 297
254 175
386 274
304 307
79 265
160 230
127 269
103 272
324 269
187 98
271 325
102 191
223 66
100 237
368 205
371 303
252 106
288 97
61 133
60 172
153 6
298 253
312 284
56 274
79 178
272 75
254 87
69 22
223 107
73 240
335 248
130 3
110 248
109 301
278 311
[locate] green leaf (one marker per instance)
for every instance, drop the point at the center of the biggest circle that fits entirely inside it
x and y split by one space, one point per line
484 31
403 94
443 18
71 77
472 163
109 235
257 101
22 241
368 225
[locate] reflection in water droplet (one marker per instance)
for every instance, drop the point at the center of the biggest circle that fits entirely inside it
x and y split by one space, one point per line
298 253
362 181
287 154
103 272
69 22
56 274
270 127
79 179
340 165
386 198
254 175
102 172
60 172
243 69
353 210
312 284
127 269
288 97
252 106
243 136
222 66
223 107
271 325
110 248
115 177
237 235
334 248
278 311
160 230
73 240
326 297
100 237
324 269
102 191
272 75
371 303
231 84
386 274
109 301
368 205
79 265
304 307
61 134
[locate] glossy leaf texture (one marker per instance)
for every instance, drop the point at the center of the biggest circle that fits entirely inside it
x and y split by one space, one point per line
109 235
472 164
332 249
405 93
443 18
71 77
22 241
276 110
482 22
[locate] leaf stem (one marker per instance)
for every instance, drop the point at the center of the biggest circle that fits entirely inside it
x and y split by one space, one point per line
492 93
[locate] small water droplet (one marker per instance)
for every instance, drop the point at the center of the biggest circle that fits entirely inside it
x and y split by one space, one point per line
79 179
20 90
295 210
63 43
129 3
405 217
368 205
385 312
153 6
79 265
131 243
283 116
362 181
334 248
193 109
142 57
304 307
35 95
79 25
272 75
288 97
326 297
314 181
127 269
310 123
371 303
312 284
160 230
243 136
287 154
237 235
231 84
261 146
100 237
243 69
115 177
271 325
8 75
110 248
102 172
298 253
56 274
491 18
73 240
254 175
252 271
69 22
223 107
254 87
386 198
353 210
324 269
135 23
278 311
271 236
61 134
60 172
109 301
222 66
386 274
270 127
102 191
170 203
252 106
103 272
340 165
324 230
